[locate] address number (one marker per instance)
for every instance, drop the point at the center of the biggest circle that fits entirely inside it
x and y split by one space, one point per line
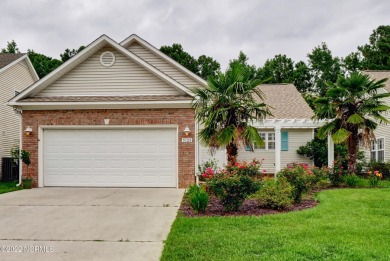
186 139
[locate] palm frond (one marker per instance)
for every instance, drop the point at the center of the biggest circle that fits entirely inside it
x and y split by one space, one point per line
340 136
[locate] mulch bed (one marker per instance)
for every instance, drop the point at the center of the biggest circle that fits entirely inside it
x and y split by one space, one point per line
249 208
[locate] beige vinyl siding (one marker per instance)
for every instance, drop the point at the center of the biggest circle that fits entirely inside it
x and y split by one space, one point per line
296 138
124 78
162 65
205 155
15 78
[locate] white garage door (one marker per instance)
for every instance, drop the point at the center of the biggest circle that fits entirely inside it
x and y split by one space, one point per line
110 157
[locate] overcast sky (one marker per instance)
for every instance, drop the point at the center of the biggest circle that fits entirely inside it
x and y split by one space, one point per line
219 29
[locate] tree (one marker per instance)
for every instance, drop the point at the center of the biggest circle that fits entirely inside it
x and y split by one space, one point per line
352 62
323 68
207 67
242 60
11 48
302 77
177 53
279 69
226 107
43 64
376 54
70 53
355 108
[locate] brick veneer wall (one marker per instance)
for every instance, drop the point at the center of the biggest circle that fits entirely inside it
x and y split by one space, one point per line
180 117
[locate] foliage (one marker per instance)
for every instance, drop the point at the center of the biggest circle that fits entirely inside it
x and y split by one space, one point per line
302 77
374 177
207 169
251 169
197 198
382 167
352 180
355 107
323 68
232 189
11 48
70 53
43 64
300 178
275 194
227 107
279 69
376 54
337 173
352 62
204 66
26 159
8 187
242 61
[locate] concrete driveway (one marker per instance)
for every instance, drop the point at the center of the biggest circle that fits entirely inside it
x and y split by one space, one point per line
86 223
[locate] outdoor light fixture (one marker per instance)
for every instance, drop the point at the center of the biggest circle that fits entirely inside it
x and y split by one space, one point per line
28 131
187 131
106 121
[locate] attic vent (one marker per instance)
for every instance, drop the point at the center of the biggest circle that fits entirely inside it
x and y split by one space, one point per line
107 59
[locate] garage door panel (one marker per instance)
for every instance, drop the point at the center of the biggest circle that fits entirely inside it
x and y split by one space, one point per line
110 158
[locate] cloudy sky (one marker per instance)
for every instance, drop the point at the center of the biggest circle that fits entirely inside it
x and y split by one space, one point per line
219 29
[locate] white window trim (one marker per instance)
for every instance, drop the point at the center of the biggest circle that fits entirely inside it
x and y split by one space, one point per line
266 140
375 150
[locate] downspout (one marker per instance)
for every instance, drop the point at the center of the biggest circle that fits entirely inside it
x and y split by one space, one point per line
196 152
19 111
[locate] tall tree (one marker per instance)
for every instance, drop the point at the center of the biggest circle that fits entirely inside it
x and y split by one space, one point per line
242 60
207 67
376 54
323 67
226 109
43 64
355 107
67 54
177 53
279 69
302 77
11 48
352 62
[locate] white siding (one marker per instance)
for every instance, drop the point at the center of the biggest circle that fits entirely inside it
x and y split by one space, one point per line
162 65
15 78
124 78
205 155
296 138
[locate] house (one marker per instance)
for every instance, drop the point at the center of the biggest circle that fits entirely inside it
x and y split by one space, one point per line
380 148
120 115
16 74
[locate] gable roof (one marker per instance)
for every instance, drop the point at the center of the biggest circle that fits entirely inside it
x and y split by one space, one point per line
379 75
82 56
7 58
286 102
135 38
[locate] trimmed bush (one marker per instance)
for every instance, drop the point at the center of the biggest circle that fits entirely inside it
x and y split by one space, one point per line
300 178
197 198
232 190
275 194
352 180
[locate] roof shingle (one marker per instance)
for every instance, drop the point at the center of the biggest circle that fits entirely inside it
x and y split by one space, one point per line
7 58
379 75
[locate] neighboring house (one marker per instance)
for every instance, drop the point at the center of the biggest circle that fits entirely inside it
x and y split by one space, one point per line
16 74
120 115
380 149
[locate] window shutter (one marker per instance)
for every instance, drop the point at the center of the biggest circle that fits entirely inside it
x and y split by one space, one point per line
284 135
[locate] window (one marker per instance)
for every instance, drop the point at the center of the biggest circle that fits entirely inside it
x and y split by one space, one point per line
269 141
378 150
263 137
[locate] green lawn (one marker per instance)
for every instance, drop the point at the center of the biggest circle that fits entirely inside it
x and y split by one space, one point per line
8 187
348 224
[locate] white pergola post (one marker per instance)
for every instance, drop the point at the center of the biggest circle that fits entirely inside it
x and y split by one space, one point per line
278 145
330 151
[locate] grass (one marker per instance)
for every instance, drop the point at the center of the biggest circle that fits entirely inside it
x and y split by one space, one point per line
348 224
8 187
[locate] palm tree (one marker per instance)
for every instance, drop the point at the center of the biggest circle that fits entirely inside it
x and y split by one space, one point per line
355 105
226 108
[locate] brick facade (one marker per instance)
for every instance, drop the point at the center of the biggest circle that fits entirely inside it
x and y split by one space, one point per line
180 117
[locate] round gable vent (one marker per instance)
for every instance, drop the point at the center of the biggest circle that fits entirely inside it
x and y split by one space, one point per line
107 59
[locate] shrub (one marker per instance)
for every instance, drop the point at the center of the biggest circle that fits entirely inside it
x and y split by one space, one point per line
352 180
336 176
232 189
198 198
207 169
251 169
374 177
275 194
299 177
382 167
